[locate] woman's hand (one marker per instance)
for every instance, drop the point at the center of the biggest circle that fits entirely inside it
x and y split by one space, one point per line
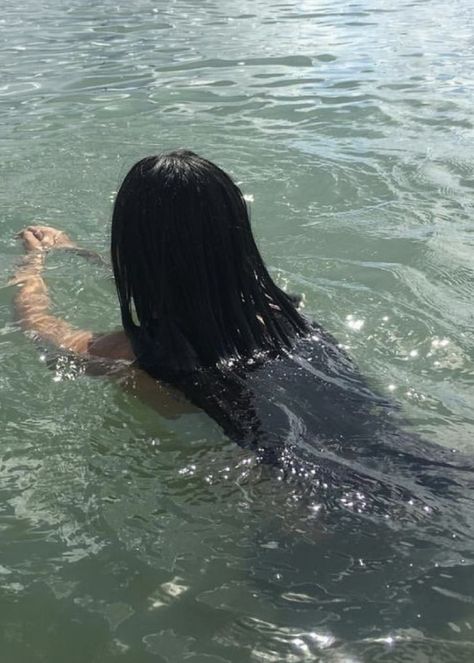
42 238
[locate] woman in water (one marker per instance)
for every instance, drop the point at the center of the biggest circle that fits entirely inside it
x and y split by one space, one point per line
201 314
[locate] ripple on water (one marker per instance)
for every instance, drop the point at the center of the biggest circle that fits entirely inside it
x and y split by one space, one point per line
21 87
350 128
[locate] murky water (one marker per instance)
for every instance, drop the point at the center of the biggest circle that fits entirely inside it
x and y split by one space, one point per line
130 537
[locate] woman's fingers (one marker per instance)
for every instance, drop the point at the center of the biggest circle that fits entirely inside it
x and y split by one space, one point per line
37 232
34 237
30 241
45 236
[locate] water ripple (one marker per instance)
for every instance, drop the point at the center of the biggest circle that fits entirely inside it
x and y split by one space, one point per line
350 131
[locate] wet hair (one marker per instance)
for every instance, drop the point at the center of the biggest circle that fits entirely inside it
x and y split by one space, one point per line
192 285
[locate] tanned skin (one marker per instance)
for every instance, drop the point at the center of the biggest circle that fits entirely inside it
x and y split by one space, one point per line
32 302
32 308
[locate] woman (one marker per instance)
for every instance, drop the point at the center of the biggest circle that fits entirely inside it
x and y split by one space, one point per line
201 313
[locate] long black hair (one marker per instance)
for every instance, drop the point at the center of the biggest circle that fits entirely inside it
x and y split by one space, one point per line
192 285
198 303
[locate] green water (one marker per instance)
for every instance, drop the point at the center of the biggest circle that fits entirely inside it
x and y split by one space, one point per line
129 537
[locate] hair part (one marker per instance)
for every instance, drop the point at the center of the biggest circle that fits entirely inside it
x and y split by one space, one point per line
192 285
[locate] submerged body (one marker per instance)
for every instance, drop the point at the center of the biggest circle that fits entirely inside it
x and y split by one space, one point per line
201 313
311 414
306 411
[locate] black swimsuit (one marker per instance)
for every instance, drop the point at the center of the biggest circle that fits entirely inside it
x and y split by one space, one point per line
311 413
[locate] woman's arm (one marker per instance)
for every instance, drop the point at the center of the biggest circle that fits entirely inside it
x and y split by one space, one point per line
32 310
32 302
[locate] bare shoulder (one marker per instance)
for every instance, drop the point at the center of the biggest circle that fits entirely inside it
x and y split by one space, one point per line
108 352
163 398
111 346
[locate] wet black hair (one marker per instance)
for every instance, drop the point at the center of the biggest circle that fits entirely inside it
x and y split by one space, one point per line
192 285
204 315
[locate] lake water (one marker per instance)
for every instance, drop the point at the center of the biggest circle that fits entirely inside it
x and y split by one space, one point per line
132 538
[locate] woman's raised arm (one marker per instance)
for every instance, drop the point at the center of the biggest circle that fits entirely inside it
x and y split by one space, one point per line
32 303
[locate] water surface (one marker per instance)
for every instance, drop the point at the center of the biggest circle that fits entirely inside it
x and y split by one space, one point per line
130 537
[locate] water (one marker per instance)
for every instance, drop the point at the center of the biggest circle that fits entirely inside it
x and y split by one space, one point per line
130 537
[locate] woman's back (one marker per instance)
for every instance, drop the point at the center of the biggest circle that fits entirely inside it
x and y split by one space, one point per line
310 413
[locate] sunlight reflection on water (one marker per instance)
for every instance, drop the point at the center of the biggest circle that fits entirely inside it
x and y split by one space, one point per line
350 129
